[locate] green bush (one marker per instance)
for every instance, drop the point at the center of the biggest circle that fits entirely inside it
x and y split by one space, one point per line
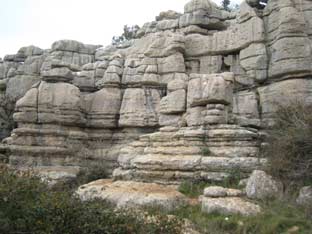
205 151
28 206
93 172
129 33
193 189
86 175
235 176
290 144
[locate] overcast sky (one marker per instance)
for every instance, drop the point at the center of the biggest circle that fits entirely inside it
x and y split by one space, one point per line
41 22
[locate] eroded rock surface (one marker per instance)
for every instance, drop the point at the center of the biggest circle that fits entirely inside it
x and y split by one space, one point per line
127 194
227 201
188 98
262 186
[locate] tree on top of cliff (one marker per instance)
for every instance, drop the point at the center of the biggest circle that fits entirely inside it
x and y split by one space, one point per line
7 107
128 34
226 5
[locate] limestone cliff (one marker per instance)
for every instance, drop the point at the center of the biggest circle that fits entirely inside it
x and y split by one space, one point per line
189 98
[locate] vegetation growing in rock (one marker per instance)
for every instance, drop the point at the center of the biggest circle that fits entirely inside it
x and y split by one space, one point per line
129 33
226 5
28 206
93 172
7 107
290 145
205 151
194 189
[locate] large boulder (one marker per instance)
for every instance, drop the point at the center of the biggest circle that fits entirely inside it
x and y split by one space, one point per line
305 196
203 13
128 194
227 201
262 186
74 46
229 206
214 88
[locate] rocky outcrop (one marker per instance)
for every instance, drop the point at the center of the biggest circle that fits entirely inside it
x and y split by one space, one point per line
189 98
172 155
227 202
127 194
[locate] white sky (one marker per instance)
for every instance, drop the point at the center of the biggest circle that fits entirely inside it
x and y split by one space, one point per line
41 22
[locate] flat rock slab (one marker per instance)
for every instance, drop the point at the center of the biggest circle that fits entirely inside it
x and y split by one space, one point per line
129 194
229 206
217 191
54 174
57 173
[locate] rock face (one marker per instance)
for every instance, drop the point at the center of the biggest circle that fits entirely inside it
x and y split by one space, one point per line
188 98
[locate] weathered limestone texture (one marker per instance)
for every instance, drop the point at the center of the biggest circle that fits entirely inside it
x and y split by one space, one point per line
188 98
131 194
262 186
227 202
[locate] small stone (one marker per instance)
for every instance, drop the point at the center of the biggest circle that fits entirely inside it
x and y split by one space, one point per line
234 193
215 191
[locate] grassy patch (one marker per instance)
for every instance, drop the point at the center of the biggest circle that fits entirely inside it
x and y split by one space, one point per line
194 189
277 218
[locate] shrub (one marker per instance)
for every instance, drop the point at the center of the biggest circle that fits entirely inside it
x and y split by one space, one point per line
28 206
205 151
226 5
85 176
290 144
129 33
7 107
232 181
193 189
93 172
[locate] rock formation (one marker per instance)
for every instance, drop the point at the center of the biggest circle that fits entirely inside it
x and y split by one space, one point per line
189 98
227 202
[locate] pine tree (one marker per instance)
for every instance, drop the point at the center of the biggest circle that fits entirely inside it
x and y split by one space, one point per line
129 33
226 5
